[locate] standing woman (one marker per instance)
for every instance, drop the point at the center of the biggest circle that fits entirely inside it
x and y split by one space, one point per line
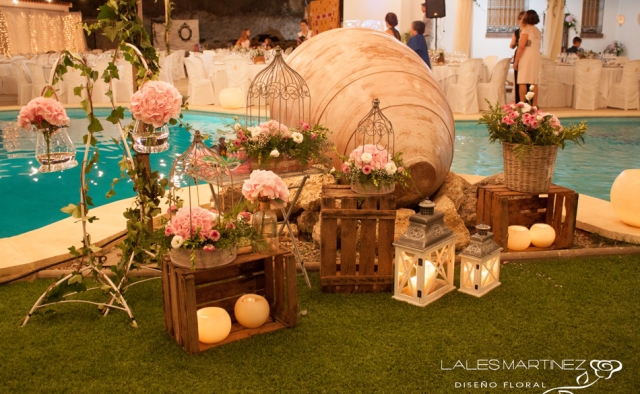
528 57
514 45
392 21
245 39
304 33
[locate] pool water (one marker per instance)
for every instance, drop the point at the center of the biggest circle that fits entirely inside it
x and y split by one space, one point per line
35 198
611 146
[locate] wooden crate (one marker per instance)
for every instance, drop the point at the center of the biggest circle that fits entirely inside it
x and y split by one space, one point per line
272 275
499 207
372 269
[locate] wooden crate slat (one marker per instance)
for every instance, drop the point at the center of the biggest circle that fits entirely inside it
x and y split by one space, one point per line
329 245
480 210
527 219
527 204
291 311
175 308
229 304
238 332
571 208
348 242
367 262
230 288
278 276
269 289
386 235
166 297
356 280
358 213
557 212
227 271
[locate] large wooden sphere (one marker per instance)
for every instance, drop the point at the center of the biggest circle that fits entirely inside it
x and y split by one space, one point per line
346 69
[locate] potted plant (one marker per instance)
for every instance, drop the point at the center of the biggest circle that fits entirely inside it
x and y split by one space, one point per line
54 149
202 238
530 140
153 106
274 146
370 169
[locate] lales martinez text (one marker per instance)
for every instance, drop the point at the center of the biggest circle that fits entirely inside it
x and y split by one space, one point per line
496 365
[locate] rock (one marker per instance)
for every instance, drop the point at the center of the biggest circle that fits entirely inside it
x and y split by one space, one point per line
315 234
453 221
467 209
229 196
311 195
402 222
495 179
294 230
307 220
453 188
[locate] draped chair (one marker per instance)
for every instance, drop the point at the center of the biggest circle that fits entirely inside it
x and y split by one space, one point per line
587 83
166 69
23 86
551 92
100 87
463 95
200 88
237 71
494 90
72 79
124 84
625 93
490 62
38 81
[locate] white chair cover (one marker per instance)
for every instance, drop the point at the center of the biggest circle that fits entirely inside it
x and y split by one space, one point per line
551 92
625 93
237 70
200 87
208 57
37 79
587 82
124 84
166 69
490 62
177 66
23 87
100 87
71 79
494 90
463 95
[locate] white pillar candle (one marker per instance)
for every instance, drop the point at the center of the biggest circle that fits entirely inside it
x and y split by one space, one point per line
214 325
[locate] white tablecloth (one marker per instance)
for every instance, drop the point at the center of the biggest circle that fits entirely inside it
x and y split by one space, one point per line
565 73
219 77
448 74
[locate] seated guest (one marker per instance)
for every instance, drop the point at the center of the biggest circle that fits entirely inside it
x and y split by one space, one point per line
576 45
304 33
417 42
266 44
245 39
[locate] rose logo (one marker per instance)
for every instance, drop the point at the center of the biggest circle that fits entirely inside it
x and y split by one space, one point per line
603 369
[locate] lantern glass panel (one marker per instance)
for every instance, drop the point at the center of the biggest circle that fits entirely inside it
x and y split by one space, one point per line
407 270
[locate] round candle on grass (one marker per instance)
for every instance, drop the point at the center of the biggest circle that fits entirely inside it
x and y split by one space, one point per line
519 238
214 324
231 98
542 235
251 310
624 197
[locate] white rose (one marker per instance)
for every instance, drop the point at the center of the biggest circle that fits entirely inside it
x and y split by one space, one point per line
366 157
513 106
177 242
526 108
297 137
332 170
390 168
255 132
529 95
531 88
539 118
214 216
274 153
236 127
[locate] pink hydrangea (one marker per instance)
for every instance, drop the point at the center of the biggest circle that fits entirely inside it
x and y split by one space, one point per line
265 184
379 156
188 220
41 110
156 103
273 127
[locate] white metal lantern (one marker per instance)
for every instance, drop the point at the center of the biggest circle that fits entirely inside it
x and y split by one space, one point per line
425 255
480 263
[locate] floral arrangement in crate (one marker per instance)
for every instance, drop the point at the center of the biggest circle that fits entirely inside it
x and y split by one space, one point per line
373 165
527 126
616 48
271 140
570 22
195 228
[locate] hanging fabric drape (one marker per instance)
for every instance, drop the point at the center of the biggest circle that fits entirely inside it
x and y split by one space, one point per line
37 31
554 22
464 23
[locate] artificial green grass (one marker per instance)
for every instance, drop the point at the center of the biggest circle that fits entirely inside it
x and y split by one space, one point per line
555 310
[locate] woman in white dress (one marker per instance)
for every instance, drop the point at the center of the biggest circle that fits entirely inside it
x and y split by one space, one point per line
245 39
528 57
304 33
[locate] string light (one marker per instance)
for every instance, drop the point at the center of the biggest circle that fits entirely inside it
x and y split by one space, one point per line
5 45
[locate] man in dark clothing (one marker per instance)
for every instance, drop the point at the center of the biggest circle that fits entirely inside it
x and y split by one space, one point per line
577 41
417 41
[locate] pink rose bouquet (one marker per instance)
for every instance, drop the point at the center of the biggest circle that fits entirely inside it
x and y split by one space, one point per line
527 125
373 164
271 140
43 113
265 186
156 103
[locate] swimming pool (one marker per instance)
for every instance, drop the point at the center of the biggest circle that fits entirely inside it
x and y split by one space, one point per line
611 146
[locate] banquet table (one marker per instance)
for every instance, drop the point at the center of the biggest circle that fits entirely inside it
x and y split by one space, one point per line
565 73
448 74
219 77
